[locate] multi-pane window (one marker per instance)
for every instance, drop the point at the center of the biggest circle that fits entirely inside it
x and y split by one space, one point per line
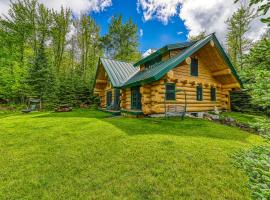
213 94
136 98
109 98
170 91
194 67
199 93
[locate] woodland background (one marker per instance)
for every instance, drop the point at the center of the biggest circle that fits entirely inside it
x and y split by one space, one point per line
54 55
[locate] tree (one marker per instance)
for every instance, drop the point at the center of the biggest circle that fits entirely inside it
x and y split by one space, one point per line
89 44
59 30
40 75
257 72
263 8
121 42
236 41
200 36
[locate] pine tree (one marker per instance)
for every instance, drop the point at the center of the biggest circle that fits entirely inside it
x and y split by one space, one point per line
236 41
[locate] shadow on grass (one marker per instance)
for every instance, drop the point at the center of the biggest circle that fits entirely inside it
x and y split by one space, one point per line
158 126
177 127
82 113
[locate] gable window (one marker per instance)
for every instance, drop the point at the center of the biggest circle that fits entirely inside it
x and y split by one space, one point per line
170 91
199 91
213 94
194 67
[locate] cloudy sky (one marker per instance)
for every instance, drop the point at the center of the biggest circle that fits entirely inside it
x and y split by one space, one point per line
159 21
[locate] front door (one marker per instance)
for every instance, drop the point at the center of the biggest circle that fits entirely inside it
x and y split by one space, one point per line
136 103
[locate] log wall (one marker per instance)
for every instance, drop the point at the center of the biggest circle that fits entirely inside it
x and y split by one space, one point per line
153 95
102 86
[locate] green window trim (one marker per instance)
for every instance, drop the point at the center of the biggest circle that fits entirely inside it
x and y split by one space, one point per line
213 94
199 93
170 91
136 103
194 67
109 98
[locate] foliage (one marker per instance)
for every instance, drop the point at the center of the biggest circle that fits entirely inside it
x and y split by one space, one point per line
257 73
237 43
256 163
200 36
85 154
263 8
52 55
121 42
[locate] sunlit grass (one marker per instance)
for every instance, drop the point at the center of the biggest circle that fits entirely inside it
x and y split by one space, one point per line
85 154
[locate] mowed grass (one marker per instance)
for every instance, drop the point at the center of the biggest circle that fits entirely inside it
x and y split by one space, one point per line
87 155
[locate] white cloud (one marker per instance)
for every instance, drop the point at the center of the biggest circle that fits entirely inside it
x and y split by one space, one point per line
77 6
141 32
160 9
198 15
148 52
180 32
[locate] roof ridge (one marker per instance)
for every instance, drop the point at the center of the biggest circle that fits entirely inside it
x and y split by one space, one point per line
116 60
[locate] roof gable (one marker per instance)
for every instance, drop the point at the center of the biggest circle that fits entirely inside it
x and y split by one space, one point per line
118 71
158 70
164 50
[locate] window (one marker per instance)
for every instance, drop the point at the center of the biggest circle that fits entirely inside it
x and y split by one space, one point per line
109 98
170 91
199 93
136 98
213 94
153 61
194 67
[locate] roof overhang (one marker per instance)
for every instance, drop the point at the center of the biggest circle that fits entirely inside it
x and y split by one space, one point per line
182 56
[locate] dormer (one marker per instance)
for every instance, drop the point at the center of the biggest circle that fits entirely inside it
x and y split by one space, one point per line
162 54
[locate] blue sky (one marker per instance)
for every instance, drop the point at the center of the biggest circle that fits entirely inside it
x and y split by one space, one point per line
160 20
155 33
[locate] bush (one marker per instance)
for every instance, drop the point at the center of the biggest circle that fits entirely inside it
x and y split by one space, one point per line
256 163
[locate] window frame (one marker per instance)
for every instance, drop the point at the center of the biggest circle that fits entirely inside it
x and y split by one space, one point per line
213 94
109 99
199 95
136 103
192 65
171 91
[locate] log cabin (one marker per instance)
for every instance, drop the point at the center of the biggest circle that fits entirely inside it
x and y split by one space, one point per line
196 76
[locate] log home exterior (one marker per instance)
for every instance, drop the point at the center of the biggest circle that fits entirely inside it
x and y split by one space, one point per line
200 69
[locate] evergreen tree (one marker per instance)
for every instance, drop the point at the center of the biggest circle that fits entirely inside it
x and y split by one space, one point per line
236 41
257 72
38 73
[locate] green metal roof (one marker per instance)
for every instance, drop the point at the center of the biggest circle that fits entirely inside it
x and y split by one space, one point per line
164 50
158 70
118 71
123 74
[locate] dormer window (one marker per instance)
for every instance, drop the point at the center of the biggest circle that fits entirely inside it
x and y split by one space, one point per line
152 62
194 67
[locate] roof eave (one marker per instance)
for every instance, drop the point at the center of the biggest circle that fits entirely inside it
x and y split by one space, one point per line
227 60
94 84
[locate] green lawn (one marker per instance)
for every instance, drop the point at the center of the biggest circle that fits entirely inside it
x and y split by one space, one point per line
86 155
244 117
